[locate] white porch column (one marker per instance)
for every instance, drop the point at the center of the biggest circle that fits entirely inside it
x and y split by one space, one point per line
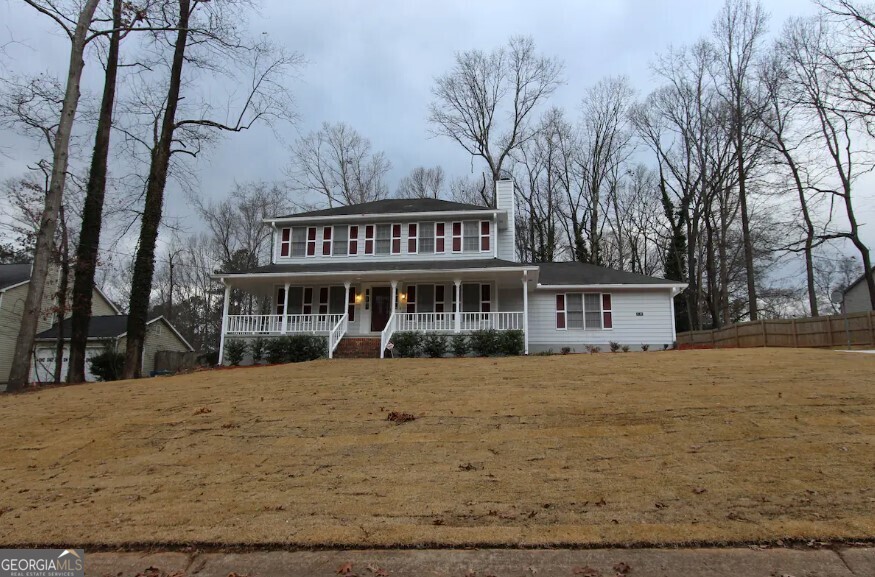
394 297
224 324
346 286
285 308
526 311
457 317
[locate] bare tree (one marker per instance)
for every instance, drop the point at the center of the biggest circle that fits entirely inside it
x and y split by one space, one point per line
483 103
337 163
422 182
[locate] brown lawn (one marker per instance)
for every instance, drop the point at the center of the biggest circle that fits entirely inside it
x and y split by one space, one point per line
658 447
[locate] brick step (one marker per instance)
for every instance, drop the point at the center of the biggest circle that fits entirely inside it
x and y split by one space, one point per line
358 348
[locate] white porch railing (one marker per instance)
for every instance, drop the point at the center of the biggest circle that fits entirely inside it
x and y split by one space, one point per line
439 322
336 334
391 324
446 322
273 324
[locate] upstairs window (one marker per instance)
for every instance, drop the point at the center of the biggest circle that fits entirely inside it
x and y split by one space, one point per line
412 238
471 241
440 237
285 242
384 238
299 241
484 236
396 239
326 240
311 241
341 243
353 240
426 238
457 237
369 239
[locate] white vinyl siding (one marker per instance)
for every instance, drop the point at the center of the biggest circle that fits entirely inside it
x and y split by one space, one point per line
654 326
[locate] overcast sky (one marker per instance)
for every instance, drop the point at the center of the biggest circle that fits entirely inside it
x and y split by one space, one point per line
371 64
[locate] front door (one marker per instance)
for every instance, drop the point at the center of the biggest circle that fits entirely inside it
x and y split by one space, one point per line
381 307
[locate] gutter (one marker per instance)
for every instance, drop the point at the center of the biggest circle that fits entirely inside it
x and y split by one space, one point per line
382 273
443 215
674 286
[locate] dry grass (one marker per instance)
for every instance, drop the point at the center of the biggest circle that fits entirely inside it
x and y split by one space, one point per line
704 446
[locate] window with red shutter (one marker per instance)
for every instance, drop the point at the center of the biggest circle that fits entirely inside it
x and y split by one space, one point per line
396 239
439 237
307 308
484 236
485 298
350 306
323 300
353 240
369 239
280 300
457 237
560 311
326 240
412 237
439 291
411 298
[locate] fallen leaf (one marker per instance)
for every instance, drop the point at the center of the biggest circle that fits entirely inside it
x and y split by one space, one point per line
699 490
203 411
622 568
345 569
399 417
587 572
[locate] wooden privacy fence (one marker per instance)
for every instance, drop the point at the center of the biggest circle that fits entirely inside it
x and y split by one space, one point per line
854 330
175 361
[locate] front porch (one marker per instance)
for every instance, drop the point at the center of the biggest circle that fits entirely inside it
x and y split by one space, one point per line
379 307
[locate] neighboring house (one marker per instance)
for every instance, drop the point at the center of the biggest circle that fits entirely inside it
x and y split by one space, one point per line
14 280
856 297
105 331
373 269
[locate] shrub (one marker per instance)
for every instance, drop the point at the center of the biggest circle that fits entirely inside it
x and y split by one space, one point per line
625 348
235 350
644 347
275 351
459 345
512 343
257 349
485 343
434 345
302 348
615 346
547 353
593 349
665 347
566 350
108 365
407 343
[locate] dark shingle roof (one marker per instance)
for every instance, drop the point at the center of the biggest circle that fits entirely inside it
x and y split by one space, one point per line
100 327
391 206
580 273
377 266
13 274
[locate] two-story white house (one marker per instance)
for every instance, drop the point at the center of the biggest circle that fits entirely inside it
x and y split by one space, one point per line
370 270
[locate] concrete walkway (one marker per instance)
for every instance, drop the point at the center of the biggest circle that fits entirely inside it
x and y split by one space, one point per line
732 562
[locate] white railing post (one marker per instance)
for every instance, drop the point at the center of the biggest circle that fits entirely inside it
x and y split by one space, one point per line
387 333
224 324
458 312
525 312
336 334
284 325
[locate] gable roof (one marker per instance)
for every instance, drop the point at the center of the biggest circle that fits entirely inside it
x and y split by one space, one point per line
13 275
581 273
856 282
391 206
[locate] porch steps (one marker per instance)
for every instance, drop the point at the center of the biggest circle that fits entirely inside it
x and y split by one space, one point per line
358 348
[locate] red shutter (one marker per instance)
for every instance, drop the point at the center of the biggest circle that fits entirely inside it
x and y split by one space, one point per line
308 301
350 308
560 311
369 239
484 235
280 300
353 240
284 245
412 238
311 241
439 238
396 239
608 321
457 237
323 300
326 241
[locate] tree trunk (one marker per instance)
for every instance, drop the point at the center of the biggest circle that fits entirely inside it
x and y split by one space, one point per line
144 265
745 217
45 238
62 296
92 211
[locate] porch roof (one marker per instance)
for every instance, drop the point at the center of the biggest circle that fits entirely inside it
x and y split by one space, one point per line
402 270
